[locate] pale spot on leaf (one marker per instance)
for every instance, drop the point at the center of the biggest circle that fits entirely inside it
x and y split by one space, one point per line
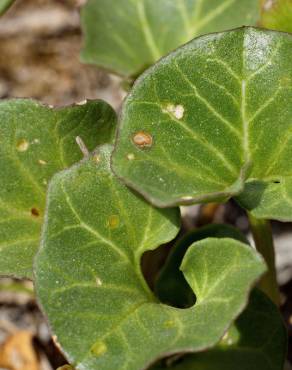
169 324
113 221
98 349
98 282
229 341
130 156
96 158
22 145
176 110
42 162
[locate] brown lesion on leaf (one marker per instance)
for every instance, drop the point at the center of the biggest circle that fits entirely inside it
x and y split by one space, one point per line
142 139
34 212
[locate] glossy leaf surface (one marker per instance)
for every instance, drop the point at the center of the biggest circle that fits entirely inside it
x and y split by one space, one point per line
257 341
211 120
128 37
277 15
4 5
90 285
36 142
171 286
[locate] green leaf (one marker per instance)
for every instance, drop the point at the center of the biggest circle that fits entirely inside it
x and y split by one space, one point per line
257 341
4 5
133 35
277 15
89 280
171 287
270 200
210 119
36 142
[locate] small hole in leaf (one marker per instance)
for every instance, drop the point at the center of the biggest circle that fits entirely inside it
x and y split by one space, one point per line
277 182
35 212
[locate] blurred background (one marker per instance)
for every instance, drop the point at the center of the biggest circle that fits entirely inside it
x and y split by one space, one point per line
40 41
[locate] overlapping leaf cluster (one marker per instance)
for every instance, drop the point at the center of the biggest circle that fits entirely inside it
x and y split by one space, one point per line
210 121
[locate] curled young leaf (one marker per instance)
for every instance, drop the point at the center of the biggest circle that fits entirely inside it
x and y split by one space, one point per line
257 341
218 111
171 286
90 285
36 142
130 36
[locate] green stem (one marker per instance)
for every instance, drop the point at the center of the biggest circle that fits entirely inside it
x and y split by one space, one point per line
263 238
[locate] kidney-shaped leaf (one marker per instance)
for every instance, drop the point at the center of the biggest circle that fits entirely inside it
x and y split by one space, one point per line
36 142
171 286
257 341
89 280
277 15
129 36
210 118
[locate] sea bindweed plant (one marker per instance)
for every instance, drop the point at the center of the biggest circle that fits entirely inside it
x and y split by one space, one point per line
89 268
212 121
209 122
